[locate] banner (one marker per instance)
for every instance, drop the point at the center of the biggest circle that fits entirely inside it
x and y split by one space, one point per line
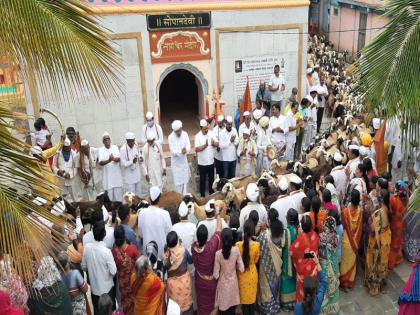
255 69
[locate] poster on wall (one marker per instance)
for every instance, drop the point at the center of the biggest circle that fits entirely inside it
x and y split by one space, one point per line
255 69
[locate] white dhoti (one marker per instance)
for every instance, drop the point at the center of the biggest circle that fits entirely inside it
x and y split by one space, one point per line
246 168
182 188
290 151
133 188
263 163
115 194
69 192
88 192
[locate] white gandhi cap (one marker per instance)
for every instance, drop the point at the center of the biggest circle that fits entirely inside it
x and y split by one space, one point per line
154 193
252 192
283 184
203 123
176 125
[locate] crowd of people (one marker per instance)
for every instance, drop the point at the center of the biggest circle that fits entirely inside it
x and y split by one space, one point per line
295 252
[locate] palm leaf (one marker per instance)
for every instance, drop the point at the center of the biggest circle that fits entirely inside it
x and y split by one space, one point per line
389 66
60 45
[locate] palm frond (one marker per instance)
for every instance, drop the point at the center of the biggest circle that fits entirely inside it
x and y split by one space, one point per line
389 66
60 45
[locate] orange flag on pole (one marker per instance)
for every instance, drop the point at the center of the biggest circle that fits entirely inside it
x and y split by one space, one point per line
381 155
246 104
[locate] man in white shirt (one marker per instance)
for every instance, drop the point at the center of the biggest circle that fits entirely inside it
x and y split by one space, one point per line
89 172
154 223
130 163
283 203
99 263
291 132
204 146
154 128
296 195
228 141
316 76
354 160
256 115
247 152
339 175
218 158
109 158
185 230
154 164
313 108
276 87
65 165
247 124
278 129
263 140
252 194
210 221
180 146
109 229
322 92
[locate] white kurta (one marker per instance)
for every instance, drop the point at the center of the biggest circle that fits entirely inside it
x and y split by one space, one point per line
295 198
282 205
340 180
227 147
263 140
130 170
154 164
352 166
156 130
111 175
290 136
69 186
247 163
217 153
243 126
179 162
91 165
278 138
245 211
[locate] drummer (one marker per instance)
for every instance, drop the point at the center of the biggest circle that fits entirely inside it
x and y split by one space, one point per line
263 145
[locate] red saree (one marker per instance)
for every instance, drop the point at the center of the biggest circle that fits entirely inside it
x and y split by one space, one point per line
397 232
305 243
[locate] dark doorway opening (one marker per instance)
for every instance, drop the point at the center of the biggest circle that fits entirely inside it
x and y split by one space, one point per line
178 99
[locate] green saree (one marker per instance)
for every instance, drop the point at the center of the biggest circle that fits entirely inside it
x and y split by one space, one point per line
288 272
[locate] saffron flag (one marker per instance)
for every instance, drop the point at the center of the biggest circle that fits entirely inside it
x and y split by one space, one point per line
381 155
246 104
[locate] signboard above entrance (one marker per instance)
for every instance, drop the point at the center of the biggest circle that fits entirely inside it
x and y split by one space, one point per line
178 21
183 45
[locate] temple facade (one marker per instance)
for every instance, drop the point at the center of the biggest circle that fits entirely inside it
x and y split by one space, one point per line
183 58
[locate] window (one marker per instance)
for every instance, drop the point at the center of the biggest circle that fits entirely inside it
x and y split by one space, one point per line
335 11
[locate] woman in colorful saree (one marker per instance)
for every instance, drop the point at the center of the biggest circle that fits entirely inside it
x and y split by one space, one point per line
288 272
305 243
125 256
352 223
6 307
148 289
409 300
179 278
269 273
203 254
399 203
376 271
328 242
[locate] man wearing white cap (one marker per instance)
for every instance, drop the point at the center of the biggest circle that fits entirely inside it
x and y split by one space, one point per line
322 92
364 154
205 143
276 86
253 194
247 153
65 165
210 221
263 142
154 223
89 173
228 141
247 124
151 126
354 160
185 230
339 175
154 164
131 158
218 158
283 203
180 146
296 194
313 108
291 132
278 128
109 158
256 115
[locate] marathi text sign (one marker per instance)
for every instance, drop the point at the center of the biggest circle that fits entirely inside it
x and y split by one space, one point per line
179 45
255 69
178 21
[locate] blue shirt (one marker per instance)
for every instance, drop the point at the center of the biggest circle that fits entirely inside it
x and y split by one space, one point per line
237 118
129 235
323 285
